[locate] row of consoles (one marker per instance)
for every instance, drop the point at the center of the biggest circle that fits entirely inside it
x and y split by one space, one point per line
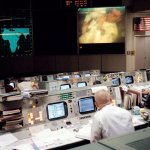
61 116
65 85
73 80
66 108
59 111
70 110
67 111
69 104
115 82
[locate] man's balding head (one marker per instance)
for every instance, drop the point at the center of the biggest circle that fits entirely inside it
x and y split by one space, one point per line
102 98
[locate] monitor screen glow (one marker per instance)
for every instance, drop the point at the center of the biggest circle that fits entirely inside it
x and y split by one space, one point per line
87 75
81 84
129 80
116 81
65 86
57 110
86 105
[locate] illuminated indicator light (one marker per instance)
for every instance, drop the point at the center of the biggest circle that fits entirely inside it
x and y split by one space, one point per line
32 122
40 114
38 118
31 115
33 106
29 119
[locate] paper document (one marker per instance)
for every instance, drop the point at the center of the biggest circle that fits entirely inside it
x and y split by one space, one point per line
37 129
84 132
23 147
53 138
95 89
137 120
42 138
7 139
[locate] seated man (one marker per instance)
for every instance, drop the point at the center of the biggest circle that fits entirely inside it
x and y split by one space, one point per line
109 121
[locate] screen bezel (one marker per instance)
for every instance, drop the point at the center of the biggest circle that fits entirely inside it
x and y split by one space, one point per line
81 83
128 77
64 85
87 112
118 80
65 109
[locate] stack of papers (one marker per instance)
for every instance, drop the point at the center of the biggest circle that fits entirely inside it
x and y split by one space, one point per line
137 120
7 139
50 139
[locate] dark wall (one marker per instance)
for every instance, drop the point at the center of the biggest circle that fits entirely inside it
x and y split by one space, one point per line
55 37
139 5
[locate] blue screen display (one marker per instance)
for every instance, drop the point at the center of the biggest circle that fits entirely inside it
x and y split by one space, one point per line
65 86
81 84
116 81
129 80
86 105
57 110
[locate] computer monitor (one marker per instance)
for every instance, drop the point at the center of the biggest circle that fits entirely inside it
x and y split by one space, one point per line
65 86
81 84
57 110
77 75
87 75
65 77
101 30
86 105
116 82
129 80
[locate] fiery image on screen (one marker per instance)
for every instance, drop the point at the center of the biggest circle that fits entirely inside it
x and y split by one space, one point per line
101 25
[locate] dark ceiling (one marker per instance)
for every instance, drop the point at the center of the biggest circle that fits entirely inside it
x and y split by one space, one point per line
132 5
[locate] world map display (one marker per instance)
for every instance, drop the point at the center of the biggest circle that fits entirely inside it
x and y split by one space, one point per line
15 42
13 35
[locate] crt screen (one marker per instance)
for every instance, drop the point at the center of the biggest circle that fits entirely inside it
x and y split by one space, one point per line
116 81
129 80
81 84
64 87
101 25
86 105
87 75
56 110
